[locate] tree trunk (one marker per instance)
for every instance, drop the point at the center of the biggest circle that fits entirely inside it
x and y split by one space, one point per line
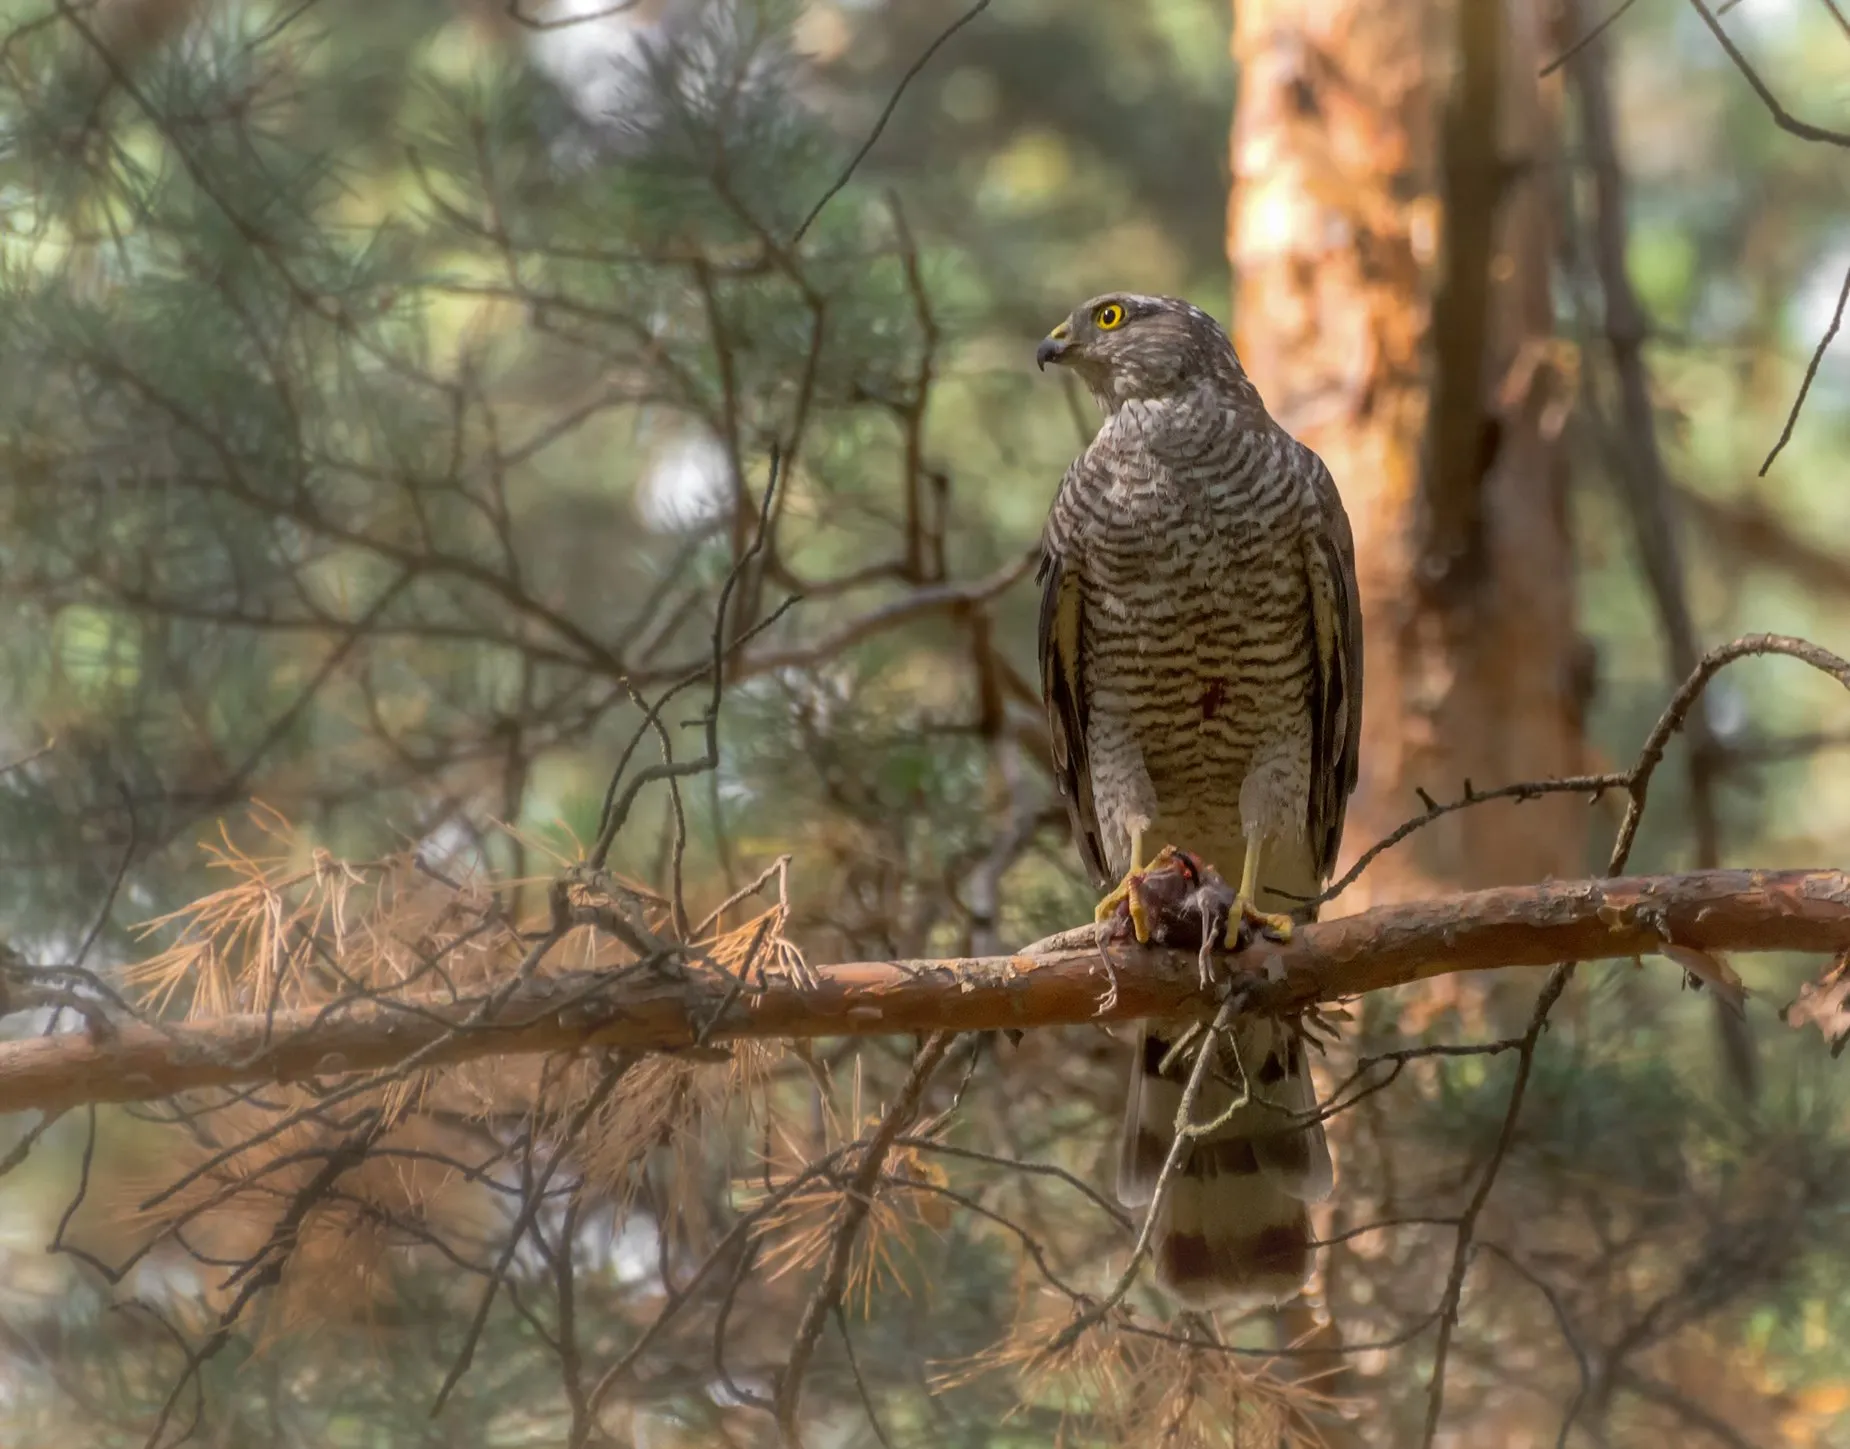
1390 232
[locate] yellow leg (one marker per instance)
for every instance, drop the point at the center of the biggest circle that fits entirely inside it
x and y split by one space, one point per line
1140 919
1249 872
1244 912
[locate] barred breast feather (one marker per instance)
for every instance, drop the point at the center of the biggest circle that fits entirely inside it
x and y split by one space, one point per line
1200 648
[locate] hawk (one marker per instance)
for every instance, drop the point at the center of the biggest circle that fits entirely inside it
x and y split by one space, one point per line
1201 660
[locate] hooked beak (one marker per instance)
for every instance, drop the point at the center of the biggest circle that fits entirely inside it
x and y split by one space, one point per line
1053 346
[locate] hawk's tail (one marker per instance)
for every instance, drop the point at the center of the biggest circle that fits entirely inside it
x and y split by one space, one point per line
1233 1226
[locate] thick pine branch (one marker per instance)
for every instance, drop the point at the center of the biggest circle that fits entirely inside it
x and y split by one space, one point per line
1060 983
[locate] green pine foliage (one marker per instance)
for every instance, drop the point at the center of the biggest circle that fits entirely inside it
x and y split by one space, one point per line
388 394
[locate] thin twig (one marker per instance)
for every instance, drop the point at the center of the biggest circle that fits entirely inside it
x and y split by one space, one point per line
1685 1408
857 1203
613 1073
1783 118
1592 786
886 114
28 1139
1811 373
860 1384
1638 784
1568 1335
1644 479
19 764
617 808
1587 38
1180 1145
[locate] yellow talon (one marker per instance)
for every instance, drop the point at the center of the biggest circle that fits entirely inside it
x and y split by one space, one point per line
1126 891
1278 927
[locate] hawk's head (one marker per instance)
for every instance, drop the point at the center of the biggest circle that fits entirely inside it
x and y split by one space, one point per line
1126 346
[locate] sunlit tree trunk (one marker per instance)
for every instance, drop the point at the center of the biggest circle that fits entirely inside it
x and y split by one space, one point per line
1390 229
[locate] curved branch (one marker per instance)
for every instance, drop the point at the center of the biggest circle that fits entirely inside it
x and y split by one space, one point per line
1057 982
1782 117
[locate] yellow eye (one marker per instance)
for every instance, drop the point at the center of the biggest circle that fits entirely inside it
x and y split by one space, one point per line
1109 316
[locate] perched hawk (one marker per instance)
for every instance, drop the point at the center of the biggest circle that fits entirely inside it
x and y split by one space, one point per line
1201 658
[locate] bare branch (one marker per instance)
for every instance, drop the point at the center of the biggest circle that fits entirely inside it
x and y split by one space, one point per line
886 114
19 764
1811 373
659 1010
1752 531
1587 37
1644 479
857 1202
1783 118
908 607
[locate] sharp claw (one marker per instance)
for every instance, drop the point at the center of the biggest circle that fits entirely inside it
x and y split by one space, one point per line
1110 998
1102 912
1245 917
1140 917
1126 892
1275 927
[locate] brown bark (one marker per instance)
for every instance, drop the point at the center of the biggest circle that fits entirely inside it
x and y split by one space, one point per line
1060 983
1749 530
1390 233
1390 243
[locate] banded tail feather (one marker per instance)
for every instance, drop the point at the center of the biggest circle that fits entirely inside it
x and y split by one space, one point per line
1201 663
1234 1228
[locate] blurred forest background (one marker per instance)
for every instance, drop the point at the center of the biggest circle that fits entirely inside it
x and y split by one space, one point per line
391 398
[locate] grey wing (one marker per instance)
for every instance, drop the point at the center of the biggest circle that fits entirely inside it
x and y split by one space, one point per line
1336 697
1063 687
